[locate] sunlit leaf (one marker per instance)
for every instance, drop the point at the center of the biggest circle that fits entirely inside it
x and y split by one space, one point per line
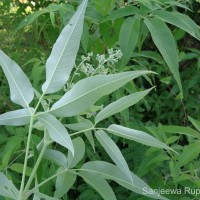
62 59
89 90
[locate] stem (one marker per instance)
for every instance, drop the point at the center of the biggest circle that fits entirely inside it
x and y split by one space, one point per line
36 167
89 129
26 159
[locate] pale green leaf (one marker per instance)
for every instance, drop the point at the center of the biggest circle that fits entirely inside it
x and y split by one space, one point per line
89 90
79 152
57 131
113 151
7 188
21 90
128 37
56 157
180 20
62 59
64 182
120 105
99 184
137 136
112 172
164 41
17 117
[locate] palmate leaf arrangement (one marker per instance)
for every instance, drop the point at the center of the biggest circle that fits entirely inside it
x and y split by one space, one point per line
84 94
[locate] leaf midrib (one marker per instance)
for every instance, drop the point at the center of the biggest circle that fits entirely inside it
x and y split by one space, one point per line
101 86
55 69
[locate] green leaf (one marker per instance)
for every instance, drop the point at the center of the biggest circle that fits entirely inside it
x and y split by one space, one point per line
64 182
112 172
122 12
57 131
188 154
79 152
195 123
114 152
17 117
128 37
179 129
62 59
18 167
21 90
137 136
7 188
120 105
85 37
99 184
89 90
180 20
164 41
56 157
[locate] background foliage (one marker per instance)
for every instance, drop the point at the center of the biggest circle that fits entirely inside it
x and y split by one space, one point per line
30 28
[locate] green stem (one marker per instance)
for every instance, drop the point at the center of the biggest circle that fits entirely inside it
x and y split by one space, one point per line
36 167
85 130
26 159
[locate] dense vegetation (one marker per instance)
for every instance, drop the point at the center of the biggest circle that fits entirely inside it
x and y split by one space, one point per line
99 99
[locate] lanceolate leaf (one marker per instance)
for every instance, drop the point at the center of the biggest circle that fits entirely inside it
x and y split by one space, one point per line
21 90
188 154
164 41
62 58
120 105
99 184
128 38
57 157
57 131
114 152
195 123
17 117
79 151
7 188
112 172
87 91
136 135
64 182
180 20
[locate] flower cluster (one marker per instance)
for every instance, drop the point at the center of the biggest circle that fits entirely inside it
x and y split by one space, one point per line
103 62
